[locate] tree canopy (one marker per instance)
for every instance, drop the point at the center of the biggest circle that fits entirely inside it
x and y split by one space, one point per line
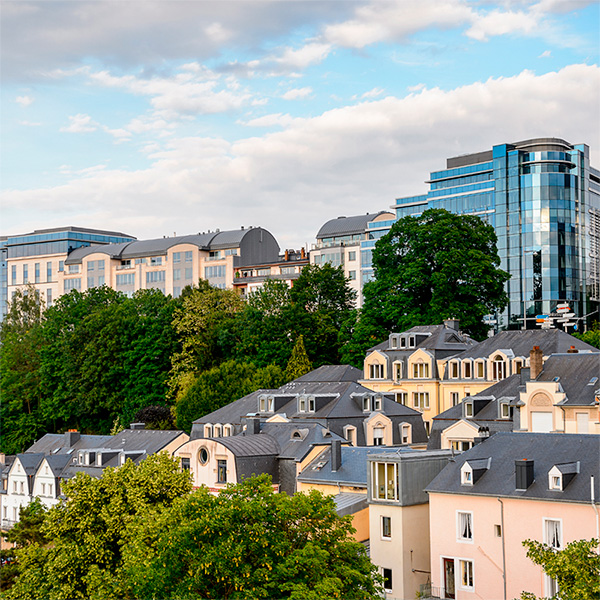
428 268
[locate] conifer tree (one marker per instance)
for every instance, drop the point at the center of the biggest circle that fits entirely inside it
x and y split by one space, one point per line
299 364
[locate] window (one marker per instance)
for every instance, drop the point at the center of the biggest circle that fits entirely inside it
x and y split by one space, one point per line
479 370
518 365
498 368
226 430
377 436
311 404
504 410
377 403
37 272
467 369
461 445
91 265
126 279
402 342
466 574
498 530
376 371
185 464
189 256
397 371
176 274
394 342
188 274
553 533
176 257
466 475
420 370
421 400
384 479
156 260
366 404
302 404
101 265
352 256
454 370
203 456
25 273
61 266
221 471
386 527
405 433
72 284
387 580
468 409
411 341
555 482
21 487
49 297
464 524
13 274
350 434
455 397
73 269
90 282
352 275
217 272
207 431
155 276
402 397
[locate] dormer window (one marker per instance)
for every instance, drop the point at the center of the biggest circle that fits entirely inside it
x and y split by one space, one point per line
377 403
375 371
555 482
366 404
411 341
468 410
504 410
454 369
265 403
517 365
377 436
498 368
217 431
208 431
420 370
350 434
402 342
466 475
302 404
559 476
311 404
394 342
227 430
397 371
467 371
479 369
473 470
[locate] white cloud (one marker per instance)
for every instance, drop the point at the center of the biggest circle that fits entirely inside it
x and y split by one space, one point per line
545 54
80 123
374 93
296 93
498 22
345 161
30 123
24 100
301 58
277 119
416 88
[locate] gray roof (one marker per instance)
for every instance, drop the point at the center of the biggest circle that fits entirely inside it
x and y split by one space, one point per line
348 503
149 441
439 337
261 444
30 461
55 443
58 462
550 341
329 373
347 225
353 470
578 375
545 449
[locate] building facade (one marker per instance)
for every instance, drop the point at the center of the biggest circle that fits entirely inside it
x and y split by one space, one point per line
543 199
39 258
339 243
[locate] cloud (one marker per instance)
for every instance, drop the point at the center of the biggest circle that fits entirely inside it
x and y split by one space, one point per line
297 93
374 93
80 123
277 119
545 54
416 88
24 100
345 161
30 123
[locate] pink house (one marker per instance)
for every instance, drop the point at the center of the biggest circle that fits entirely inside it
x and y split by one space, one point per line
509 488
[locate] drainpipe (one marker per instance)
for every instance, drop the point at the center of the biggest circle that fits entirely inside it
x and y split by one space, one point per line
595 509
503 547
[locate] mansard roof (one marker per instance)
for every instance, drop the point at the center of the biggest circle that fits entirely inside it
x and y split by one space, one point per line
578 375
347 225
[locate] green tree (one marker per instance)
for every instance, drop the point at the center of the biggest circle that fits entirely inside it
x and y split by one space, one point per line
298 364
591 336
432 267
248 543
86 534
28 529
576 568
205 314
220 386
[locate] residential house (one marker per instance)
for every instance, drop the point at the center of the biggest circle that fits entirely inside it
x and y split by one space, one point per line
507 489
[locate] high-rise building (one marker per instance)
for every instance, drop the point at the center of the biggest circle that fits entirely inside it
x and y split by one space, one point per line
543 199
38 258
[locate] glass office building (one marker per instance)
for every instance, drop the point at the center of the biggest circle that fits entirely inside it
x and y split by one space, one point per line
543 199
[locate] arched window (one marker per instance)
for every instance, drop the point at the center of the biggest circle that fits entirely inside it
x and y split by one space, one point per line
208 431
498 368
217 431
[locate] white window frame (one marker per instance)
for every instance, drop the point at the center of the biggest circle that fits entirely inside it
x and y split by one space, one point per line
366 404
466 475
380 439
504 407
479 364
384 537
420 369
376 371
377 403
547 534
405 432
397 366
382 491
350 434
208 431
454 370
464 522
302 404
467 365
499 370
420 400
462 564
227 430
402 398
311 404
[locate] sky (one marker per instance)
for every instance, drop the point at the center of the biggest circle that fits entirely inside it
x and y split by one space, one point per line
171 117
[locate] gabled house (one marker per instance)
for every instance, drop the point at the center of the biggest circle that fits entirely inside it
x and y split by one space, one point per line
328 396
20 486
506 489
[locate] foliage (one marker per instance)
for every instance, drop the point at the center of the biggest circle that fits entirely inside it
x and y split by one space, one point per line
86 534
429 268
28 529
576 568
249 542
205 313
9 569
220 386
591 336
155 417
298 364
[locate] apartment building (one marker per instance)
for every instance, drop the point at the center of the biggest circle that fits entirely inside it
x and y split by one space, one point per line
38 258
339 244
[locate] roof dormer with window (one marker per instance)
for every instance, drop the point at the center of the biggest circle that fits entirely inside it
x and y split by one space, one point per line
473 470
559 476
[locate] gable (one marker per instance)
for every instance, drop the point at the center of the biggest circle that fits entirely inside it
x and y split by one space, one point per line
461 429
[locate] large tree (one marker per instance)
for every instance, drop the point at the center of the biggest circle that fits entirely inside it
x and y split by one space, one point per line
432 267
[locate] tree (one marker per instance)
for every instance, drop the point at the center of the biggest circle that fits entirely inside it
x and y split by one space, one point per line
433 267
591 336
248 543
155 417
83 558
220 386
28 529
576 569
298 364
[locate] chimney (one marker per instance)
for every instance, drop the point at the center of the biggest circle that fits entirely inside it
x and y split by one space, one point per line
525 375
452 324
287 255
523 473
336 455
71 437
253 426
572 350
535 362
137 426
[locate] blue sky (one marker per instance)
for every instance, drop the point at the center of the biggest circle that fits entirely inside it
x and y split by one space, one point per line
168 116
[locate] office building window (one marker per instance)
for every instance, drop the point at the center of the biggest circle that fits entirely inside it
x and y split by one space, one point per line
176 257
155 276
61 266
386 527
91 265
13 274
216 272
352 275
352 256
188 274
126 279
48 271
49 297
73 269
101 265
222 471
37 272
90 282
101 280
72 284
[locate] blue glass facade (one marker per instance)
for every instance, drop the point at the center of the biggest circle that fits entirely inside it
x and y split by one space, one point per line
543 199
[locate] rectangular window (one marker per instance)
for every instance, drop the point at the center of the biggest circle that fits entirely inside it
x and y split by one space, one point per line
101 265
37 272
72 284
185 464
101 280
386 527
401 397
189 256
421 400
405 434
384 479
376 371
73 269
13 274
188 274
176 257
467 369
505 410
25 273
377 436
155 276
217 272
479 370
420 370
464 524
49 297
221 471
498 530
454 396
176 274
466 574
553 534
126 279
387 580
48 271
352 275
302 404
156 260
91 265
352 256
61 266
90 282
454 370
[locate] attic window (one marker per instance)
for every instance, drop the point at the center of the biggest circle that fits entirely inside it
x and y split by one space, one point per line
377 403
302 404
394 342
297 435
505 410
593 380
411 341
366 404
402 342
466 475
454 369
555 482
468 409
467 369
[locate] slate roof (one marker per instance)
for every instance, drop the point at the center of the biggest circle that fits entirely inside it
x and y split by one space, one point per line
231 413
55 443
149 441
346 225
440 338
575 373
58 462
348 503
30 461
521 342
353 470
328 373
545 449
261 444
